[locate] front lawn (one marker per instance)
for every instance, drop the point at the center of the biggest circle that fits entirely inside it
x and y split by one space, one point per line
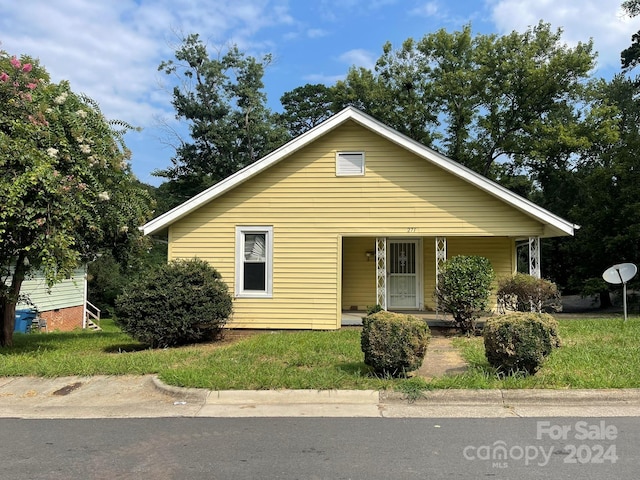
596 353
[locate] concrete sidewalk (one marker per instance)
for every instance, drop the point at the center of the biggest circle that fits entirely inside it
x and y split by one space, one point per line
145 396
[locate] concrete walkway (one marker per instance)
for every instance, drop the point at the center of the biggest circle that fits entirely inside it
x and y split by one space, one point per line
146 396
442 358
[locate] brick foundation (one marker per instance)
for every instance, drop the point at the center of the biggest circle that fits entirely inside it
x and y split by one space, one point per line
63 319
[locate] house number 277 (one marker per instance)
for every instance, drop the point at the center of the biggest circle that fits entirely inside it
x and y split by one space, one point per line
412 229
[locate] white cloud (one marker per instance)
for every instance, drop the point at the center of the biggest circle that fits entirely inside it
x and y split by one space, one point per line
322 78
316 33
428 9
601 20
359 57
111 50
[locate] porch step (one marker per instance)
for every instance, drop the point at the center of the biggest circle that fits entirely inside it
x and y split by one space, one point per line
93 326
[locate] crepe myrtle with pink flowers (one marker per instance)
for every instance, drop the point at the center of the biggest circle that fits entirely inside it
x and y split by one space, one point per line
66 188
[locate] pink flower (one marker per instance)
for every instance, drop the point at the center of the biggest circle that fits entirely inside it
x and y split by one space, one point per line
26 67
15 62
4 77
31 86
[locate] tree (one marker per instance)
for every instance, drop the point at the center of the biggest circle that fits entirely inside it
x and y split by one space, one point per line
223 103
501 105
401 108
606 202
507 97
630 56
66 188
305 107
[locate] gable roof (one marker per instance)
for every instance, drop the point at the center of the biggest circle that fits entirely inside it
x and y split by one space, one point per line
554 225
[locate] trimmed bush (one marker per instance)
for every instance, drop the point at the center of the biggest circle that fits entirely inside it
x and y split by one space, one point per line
526 293
394 344
175 304
519 342
464 285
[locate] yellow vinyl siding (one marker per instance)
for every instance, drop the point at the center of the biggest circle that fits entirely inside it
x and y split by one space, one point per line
311 209
358 273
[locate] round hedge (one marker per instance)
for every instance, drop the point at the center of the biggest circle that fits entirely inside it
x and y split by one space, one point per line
394 344
519 342
178 303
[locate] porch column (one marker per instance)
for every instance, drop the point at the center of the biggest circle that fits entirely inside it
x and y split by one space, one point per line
381 272
534 257
441 257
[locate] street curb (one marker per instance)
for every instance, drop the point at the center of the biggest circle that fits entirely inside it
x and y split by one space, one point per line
294 397
627 396
283 396
190 395
445 397
630 396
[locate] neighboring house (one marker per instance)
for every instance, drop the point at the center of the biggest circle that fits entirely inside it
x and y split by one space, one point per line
63 306
348 215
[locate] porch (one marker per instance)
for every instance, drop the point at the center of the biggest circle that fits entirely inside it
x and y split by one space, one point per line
352 318
400 273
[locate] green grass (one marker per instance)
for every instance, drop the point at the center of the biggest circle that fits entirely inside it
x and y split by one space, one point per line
596 353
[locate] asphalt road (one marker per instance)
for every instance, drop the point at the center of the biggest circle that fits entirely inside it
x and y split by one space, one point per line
319 448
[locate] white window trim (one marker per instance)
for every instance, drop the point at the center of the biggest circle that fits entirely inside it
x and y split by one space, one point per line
240 232
355 173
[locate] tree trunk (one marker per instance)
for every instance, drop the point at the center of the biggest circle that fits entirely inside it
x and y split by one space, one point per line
9 301
605 299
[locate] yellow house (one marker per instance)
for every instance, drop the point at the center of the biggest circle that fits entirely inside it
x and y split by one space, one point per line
349 215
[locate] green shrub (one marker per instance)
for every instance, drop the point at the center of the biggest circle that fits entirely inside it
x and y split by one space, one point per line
463 289
519 342
174 304
526 293
394 344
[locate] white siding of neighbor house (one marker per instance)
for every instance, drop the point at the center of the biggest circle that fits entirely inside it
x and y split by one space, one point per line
68 293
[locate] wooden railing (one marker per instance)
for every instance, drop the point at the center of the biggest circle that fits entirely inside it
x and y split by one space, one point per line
93 313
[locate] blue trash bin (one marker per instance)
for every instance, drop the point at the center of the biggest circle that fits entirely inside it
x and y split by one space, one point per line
23 320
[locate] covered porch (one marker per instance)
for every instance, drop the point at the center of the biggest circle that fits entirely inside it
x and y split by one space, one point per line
400 273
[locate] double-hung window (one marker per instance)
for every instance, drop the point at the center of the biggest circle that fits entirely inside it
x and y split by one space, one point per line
254 258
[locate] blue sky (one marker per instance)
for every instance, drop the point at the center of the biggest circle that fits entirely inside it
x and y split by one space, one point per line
110 49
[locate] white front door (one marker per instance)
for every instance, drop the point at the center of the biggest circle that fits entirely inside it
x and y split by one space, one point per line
404 267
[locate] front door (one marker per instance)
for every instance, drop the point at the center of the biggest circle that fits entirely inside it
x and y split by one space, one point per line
403 274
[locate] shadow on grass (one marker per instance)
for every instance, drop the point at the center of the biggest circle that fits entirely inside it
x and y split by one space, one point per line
126 348
48 342
356 368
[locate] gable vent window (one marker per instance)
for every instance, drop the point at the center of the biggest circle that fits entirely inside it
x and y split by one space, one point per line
349 164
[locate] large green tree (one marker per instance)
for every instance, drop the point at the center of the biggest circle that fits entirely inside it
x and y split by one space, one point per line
305 107
222 101
400 101
630 56
499 104
605 198
66 188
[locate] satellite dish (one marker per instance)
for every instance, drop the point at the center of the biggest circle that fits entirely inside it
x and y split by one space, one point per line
621 273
